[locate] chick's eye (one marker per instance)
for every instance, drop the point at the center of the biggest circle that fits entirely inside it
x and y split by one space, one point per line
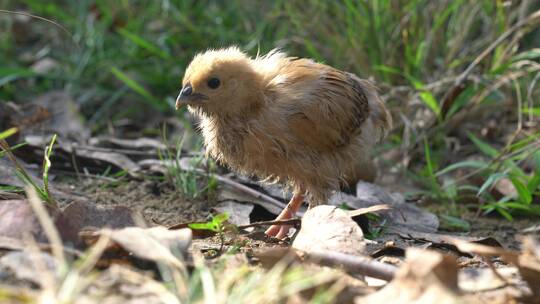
213 83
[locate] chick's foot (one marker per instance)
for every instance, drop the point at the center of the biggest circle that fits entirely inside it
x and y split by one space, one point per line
281 231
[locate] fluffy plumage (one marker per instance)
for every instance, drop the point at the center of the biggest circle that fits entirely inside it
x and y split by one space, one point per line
286 119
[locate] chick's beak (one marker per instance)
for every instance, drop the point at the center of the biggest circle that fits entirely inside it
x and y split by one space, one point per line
187 96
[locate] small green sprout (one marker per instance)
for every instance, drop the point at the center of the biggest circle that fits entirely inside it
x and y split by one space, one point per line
216 224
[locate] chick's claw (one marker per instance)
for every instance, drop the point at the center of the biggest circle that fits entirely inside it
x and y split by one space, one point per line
281 231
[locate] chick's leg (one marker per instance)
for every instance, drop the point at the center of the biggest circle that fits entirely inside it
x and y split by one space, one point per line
281 231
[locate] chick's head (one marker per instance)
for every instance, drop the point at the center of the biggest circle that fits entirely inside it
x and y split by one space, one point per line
219 82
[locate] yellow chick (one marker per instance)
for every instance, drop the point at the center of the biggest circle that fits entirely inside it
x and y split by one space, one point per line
285 119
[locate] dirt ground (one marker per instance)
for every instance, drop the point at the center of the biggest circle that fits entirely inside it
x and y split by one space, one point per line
160 204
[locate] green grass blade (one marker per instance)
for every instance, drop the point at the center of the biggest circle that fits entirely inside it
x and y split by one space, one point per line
493 178
141 42
46 168
534 182
8 75
483 146
426 96
15 147
476 164
7 133
533 111
132 84
524 194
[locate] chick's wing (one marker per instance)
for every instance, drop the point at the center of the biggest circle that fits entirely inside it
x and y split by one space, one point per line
325 107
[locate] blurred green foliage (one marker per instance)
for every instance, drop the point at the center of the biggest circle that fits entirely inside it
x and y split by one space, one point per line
127 56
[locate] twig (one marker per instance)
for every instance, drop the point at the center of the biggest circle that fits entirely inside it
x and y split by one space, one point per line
125 151
294 221
248 190
370 209
351 263
114 150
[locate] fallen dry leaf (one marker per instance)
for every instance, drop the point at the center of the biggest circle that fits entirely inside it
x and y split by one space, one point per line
329 228
505 187
400 214
238 212
35 267
44 65
65 119
68 153
17 220
484 279
8 176
9 243
425 277
529 265
481 249
156 244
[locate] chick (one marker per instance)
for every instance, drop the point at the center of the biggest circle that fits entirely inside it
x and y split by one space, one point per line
285 119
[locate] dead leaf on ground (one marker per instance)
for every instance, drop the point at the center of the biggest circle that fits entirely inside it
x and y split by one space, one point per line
156 244
121 284
528 261
65 119
44 66
434 240
484 279
329 228
10 243
8 176
20 116
238 213
6 195
17 220
400 214
426 277
506 188
529 265
481 248
67 155
35 267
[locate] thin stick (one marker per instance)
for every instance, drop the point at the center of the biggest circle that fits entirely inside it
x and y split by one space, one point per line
370 209
250 191
352 263
294 221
